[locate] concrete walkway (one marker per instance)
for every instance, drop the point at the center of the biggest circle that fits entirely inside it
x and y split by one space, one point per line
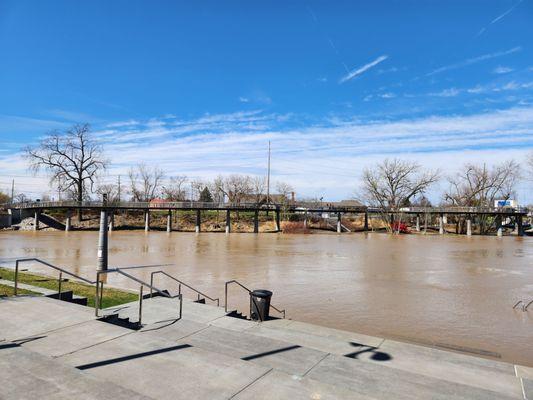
53 349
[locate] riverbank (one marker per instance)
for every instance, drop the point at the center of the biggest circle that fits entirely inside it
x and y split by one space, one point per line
451 290
219 357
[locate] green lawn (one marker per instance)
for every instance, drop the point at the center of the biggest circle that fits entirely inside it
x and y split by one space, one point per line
8 291
111 297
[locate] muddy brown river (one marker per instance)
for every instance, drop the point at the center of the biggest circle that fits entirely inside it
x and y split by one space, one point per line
452 292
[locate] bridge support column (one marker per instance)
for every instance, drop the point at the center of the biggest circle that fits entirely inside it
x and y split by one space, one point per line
417 222
339 223
519 225
198 221
441 224
278 220
305 220
68 222
469 226
169 221
228 221
36 225
146 221
365 226
256 221
102 241
111 221
499 228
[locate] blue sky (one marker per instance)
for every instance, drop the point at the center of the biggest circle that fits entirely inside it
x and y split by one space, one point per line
200 87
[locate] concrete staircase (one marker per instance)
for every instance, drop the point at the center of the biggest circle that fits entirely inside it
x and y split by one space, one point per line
57 349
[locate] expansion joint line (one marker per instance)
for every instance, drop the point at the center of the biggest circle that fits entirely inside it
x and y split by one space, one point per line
318 362
251 383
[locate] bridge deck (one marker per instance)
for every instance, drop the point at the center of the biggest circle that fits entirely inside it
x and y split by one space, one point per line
300 207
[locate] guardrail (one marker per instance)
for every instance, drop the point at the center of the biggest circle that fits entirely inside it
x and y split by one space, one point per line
61 272
249 292
179 287
100 289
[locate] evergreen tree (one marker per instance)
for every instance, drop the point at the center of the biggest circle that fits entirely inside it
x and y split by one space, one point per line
205 196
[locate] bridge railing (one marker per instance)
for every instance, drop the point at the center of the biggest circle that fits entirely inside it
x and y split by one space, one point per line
292 207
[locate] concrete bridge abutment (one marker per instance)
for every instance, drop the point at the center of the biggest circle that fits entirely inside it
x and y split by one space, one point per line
198 226
146 221
228 221
169 221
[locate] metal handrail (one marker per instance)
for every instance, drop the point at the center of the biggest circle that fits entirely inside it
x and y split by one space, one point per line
100 289
61 272
249 291
179 288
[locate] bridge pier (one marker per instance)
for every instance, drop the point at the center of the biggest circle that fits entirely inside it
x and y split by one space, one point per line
146 221
469 226
228 221
339 223
198 221
441 224
519 225
278 220
256 221
36 225
111 221
68 222
499 228
305 219
417 223
365 226
169 221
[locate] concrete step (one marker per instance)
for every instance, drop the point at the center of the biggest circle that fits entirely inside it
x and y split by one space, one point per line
278 385
383 382
73 338
159 309
28 316
164 369
28 375
281 356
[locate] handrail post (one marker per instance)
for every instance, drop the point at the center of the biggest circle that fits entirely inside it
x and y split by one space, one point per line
226 297
59 285
16 277
140 304
97 295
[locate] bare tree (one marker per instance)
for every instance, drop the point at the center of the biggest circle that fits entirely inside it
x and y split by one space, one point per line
110 190
145 182
235 187
479 186
258 188
395 183
285 192
72 158
176 189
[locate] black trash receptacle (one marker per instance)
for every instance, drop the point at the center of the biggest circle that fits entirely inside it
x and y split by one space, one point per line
260 304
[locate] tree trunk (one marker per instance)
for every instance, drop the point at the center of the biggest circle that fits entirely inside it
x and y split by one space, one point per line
80 199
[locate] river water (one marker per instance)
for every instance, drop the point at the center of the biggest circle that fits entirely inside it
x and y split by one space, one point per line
451 291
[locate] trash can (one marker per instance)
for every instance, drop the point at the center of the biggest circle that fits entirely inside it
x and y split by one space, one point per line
260 304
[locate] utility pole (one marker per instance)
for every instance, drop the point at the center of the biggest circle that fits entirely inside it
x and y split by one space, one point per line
118 189
13 191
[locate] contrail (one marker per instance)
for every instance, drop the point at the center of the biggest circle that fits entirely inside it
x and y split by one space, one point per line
364 68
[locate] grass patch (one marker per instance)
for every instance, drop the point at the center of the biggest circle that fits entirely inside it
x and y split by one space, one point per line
6 291
111 297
